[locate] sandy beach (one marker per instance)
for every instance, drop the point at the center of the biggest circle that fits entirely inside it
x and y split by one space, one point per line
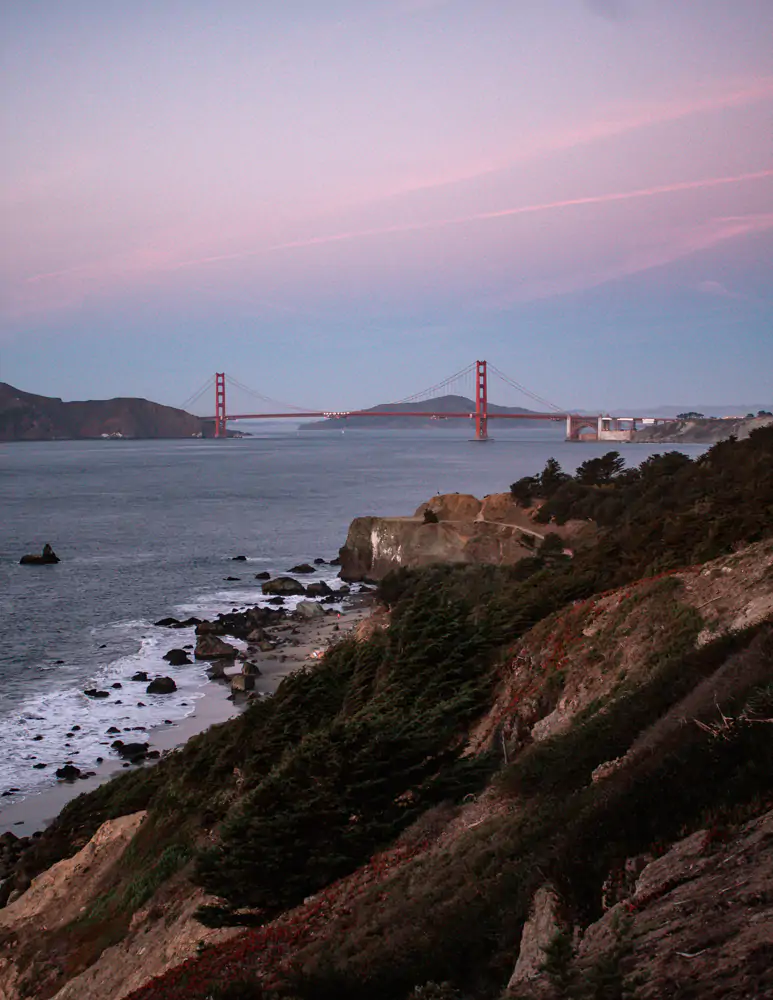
299 643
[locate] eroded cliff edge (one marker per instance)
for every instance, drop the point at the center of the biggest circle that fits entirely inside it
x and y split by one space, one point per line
494 530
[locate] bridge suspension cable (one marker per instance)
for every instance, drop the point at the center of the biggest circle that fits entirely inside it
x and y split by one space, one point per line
524 390
197 394
434 388
268 399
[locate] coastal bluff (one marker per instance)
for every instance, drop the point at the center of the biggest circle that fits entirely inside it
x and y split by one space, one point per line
467 530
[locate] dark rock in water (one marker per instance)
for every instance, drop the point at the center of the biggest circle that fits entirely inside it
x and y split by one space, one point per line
209 647
113 729
93 693
176 623
100 760
68 773
177 657
140 704
153 754
231 579
59 662
283 586
141 675
75 728
68 735
238 558
117 685
343 591
302 568
319 562
47 557
161 685
263 576
39 767
318 589
37 738
277 601
335 562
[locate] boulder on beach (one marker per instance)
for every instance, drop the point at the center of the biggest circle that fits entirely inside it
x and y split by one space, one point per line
250 669
263 576
309 609
46 557
210 647
257 635
141 675
243 682
318 589
303 568
177 657
216 670
69 772
283 586
161 685
131 751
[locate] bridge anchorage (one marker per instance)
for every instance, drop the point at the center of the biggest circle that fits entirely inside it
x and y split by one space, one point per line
579 427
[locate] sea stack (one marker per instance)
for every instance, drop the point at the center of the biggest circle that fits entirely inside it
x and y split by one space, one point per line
45 558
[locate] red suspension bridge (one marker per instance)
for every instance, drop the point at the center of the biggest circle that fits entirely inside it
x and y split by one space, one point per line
578 426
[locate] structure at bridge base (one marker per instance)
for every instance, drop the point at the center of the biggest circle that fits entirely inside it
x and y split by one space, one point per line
604 428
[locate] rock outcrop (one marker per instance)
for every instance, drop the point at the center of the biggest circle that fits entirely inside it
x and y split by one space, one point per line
46 558
283 586
494 530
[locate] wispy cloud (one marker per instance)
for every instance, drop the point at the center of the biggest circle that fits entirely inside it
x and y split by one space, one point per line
550 206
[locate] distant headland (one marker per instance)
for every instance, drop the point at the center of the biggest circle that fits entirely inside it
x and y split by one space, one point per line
25 416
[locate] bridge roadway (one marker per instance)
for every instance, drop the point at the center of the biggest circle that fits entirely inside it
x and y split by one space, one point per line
332 415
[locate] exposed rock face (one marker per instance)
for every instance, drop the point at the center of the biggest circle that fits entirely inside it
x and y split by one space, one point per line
467 531
538 932
210 647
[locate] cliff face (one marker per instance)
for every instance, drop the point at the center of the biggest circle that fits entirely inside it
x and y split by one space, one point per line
494 530
705 431
27 417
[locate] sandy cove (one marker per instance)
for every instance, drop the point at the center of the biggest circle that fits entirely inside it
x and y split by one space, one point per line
300 644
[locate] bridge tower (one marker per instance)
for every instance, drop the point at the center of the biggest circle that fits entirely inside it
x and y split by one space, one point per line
481 402
220 414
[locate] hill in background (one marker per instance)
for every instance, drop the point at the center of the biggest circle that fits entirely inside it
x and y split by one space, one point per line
25 416
439 404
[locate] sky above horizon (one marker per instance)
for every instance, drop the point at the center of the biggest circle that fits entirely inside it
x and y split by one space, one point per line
342 203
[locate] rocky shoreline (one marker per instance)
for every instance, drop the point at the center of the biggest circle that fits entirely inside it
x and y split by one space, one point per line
248 653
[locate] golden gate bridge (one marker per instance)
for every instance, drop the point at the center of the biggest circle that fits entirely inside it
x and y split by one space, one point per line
578 426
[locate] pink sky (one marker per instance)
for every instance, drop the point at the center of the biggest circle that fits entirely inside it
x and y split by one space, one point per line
376 163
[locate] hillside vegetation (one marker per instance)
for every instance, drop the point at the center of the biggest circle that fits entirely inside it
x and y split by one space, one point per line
386 821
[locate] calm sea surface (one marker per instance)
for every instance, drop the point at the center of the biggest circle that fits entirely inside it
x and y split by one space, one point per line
147 529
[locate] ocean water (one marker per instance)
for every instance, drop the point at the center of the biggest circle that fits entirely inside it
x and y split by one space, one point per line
148 529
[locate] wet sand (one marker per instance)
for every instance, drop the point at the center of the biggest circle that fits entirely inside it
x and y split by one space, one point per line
300 643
